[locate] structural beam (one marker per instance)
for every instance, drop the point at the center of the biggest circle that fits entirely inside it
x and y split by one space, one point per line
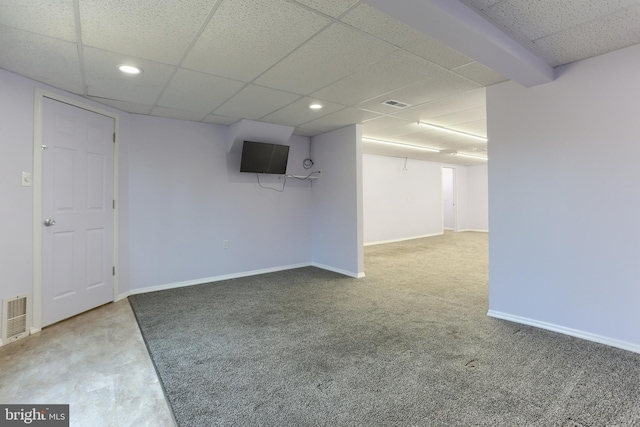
466 31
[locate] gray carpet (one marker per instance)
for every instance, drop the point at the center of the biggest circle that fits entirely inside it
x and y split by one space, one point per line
409 345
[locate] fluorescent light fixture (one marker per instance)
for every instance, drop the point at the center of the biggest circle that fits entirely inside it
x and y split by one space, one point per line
471 156
455 132
129 69
400 144
315 106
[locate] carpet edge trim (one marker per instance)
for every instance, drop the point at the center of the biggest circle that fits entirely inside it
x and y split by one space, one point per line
153 362
612 342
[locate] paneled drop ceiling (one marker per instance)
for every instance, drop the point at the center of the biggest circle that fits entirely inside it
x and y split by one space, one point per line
268 60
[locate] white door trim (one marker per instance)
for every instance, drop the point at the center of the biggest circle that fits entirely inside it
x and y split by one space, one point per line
40 94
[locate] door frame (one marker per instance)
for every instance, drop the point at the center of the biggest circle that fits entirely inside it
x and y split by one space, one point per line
454 184
38 135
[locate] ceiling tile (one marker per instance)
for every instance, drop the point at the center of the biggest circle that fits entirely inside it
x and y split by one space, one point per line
480 4
450 120
535 19
53 18
339 119
395 71
129 107
45 59
306 132
333 8
146 29
464 101
299 112
438 85
245 37
435 139
476 127
372 21
106 81
604 35
177 114
383 122
438 53
416 140
193 91
389 134
254 102
479 73
219 120
331 55
389 151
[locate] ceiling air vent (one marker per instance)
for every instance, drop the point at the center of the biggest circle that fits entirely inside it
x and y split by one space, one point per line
15 320
395 104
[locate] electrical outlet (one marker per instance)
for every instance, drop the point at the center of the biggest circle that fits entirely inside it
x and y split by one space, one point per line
225 244
26 179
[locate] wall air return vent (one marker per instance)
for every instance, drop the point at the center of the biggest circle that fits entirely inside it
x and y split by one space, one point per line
396 104
15 318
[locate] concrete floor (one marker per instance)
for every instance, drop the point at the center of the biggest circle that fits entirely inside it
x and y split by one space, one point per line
96 362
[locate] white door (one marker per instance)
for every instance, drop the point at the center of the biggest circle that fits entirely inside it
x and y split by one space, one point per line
77 208
448 198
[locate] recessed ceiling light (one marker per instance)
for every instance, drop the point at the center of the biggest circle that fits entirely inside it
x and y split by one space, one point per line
129 69
315 106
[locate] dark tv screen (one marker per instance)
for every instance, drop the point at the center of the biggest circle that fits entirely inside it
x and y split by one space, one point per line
260 157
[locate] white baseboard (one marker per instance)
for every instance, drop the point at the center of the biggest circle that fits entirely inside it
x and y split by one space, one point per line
338 270
382 242
624 345
211 279
122 296
474 230
234 276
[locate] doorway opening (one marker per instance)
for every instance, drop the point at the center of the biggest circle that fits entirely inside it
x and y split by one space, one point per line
449 209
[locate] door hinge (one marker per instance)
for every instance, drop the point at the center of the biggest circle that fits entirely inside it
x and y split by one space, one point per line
113 270
114 137
113 204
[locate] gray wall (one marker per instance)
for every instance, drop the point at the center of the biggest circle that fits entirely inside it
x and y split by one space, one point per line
337 201
188 196
478 198
181 195
404 204
564 200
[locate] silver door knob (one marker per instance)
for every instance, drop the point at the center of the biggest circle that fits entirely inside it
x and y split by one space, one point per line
49 222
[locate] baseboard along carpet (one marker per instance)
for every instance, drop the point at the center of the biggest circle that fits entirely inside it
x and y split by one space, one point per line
409 345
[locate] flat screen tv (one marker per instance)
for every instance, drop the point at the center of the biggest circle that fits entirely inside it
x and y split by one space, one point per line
260 157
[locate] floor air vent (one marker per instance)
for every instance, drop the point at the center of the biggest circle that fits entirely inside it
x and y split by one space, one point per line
15 320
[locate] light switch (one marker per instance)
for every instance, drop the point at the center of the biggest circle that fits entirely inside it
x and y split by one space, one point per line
26 179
